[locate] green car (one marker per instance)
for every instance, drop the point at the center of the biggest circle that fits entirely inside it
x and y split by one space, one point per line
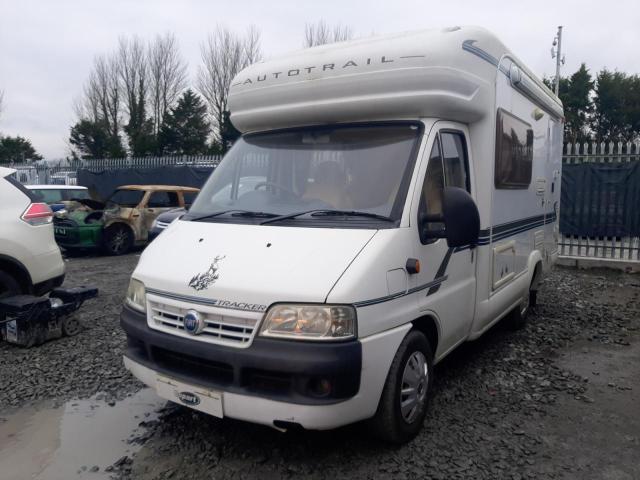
76 231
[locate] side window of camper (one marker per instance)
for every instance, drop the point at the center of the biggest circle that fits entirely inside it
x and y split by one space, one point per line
514 152
431 197
454 160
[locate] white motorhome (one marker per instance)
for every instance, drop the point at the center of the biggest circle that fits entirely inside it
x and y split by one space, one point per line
404 198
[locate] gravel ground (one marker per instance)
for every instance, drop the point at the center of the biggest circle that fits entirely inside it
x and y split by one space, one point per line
80 366
559 399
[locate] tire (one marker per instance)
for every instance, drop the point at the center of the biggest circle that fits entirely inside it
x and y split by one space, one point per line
9 286
118 239
517 319
393 423
71 326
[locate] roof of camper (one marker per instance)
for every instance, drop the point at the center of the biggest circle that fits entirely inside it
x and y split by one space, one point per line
445 73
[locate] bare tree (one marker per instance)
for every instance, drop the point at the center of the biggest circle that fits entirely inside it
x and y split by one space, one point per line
320 33
134 78
99 109
167 76
133 70
224 54
101 99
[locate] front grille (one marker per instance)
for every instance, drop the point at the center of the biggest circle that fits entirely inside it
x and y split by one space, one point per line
162 225
186 366
221 327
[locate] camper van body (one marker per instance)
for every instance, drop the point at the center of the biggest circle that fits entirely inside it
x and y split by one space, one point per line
473 106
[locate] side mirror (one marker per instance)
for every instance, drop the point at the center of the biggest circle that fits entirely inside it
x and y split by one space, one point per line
460 217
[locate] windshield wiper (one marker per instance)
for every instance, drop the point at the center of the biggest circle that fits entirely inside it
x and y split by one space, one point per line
236 213
327 212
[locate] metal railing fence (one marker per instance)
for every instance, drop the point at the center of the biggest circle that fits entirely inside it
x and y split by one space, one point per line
66 173
617 248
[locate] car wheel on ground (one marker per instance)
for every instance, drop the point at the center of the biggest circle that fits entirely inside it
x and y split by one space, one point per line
71 326
403 404
9 286
118 239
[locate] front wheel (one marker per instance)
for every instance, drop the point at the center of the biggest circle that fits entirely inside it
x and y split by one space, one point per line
403 404
118 239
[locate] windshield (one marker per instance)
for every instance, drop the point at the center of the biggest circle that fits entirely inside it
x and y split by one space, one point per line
125 198
346 168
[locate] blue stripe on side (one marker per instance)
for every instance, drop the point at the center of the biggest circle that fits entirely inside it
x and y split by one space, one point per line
374 301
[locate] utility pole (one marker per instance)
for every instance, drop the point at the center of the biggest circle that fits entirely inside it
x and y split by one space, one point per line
556 52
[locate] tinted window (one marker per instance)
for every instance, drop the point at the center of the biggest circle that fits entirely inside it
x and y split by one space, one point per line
514 152
163 200
454 159
431 198
77 193
189 197
126 198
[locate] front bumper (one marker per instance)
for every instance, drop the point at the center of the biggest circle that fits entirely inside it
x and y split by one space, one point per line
366 365
78 237
281 370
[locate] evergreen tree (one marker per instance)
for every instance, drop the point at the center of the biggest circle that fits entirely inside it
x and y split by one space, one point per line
140 137
93 140
185 129
17 150
617 106
577 105
574 92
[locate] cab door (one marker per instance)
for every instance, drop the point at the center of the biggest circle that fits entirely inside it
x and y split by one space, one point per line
446 281
159 202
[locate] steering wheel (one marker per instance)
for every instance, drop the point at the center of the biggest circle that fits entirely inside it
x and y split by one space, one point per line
275 185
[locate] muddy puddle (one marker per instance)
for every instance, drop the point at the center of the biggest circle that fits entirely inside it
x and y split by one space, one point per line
70 441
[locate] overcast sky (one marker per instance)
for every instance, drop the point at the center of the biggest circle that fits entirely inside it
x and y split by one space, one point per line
47 46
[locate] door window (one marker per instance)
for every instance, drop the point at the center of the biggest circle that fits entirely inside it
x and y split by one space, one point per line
163 200
431 197
448 167
454 159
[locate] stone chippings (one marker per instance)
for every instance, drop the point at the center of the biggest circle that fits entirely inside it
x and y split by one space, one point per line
485 397
83 365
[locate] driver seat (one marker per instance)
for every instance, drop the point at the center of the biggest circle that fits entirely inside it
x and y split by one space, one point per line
329 185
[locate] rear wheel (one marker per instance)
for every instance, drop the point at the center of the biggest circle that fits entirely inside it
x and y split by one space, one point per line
517 319
403 404
9 286
118 239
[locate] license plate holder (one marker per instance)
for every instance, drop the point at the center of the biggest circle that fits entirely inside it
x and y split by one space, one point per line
198 398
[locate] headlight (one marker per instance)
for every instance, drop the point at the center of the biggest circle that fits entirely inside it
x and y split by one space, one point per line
310 322
136 296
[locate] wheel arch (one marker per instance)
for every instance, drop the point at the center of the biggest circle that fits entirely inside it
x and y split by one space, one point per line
536 276
428 325
117 223
15 268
